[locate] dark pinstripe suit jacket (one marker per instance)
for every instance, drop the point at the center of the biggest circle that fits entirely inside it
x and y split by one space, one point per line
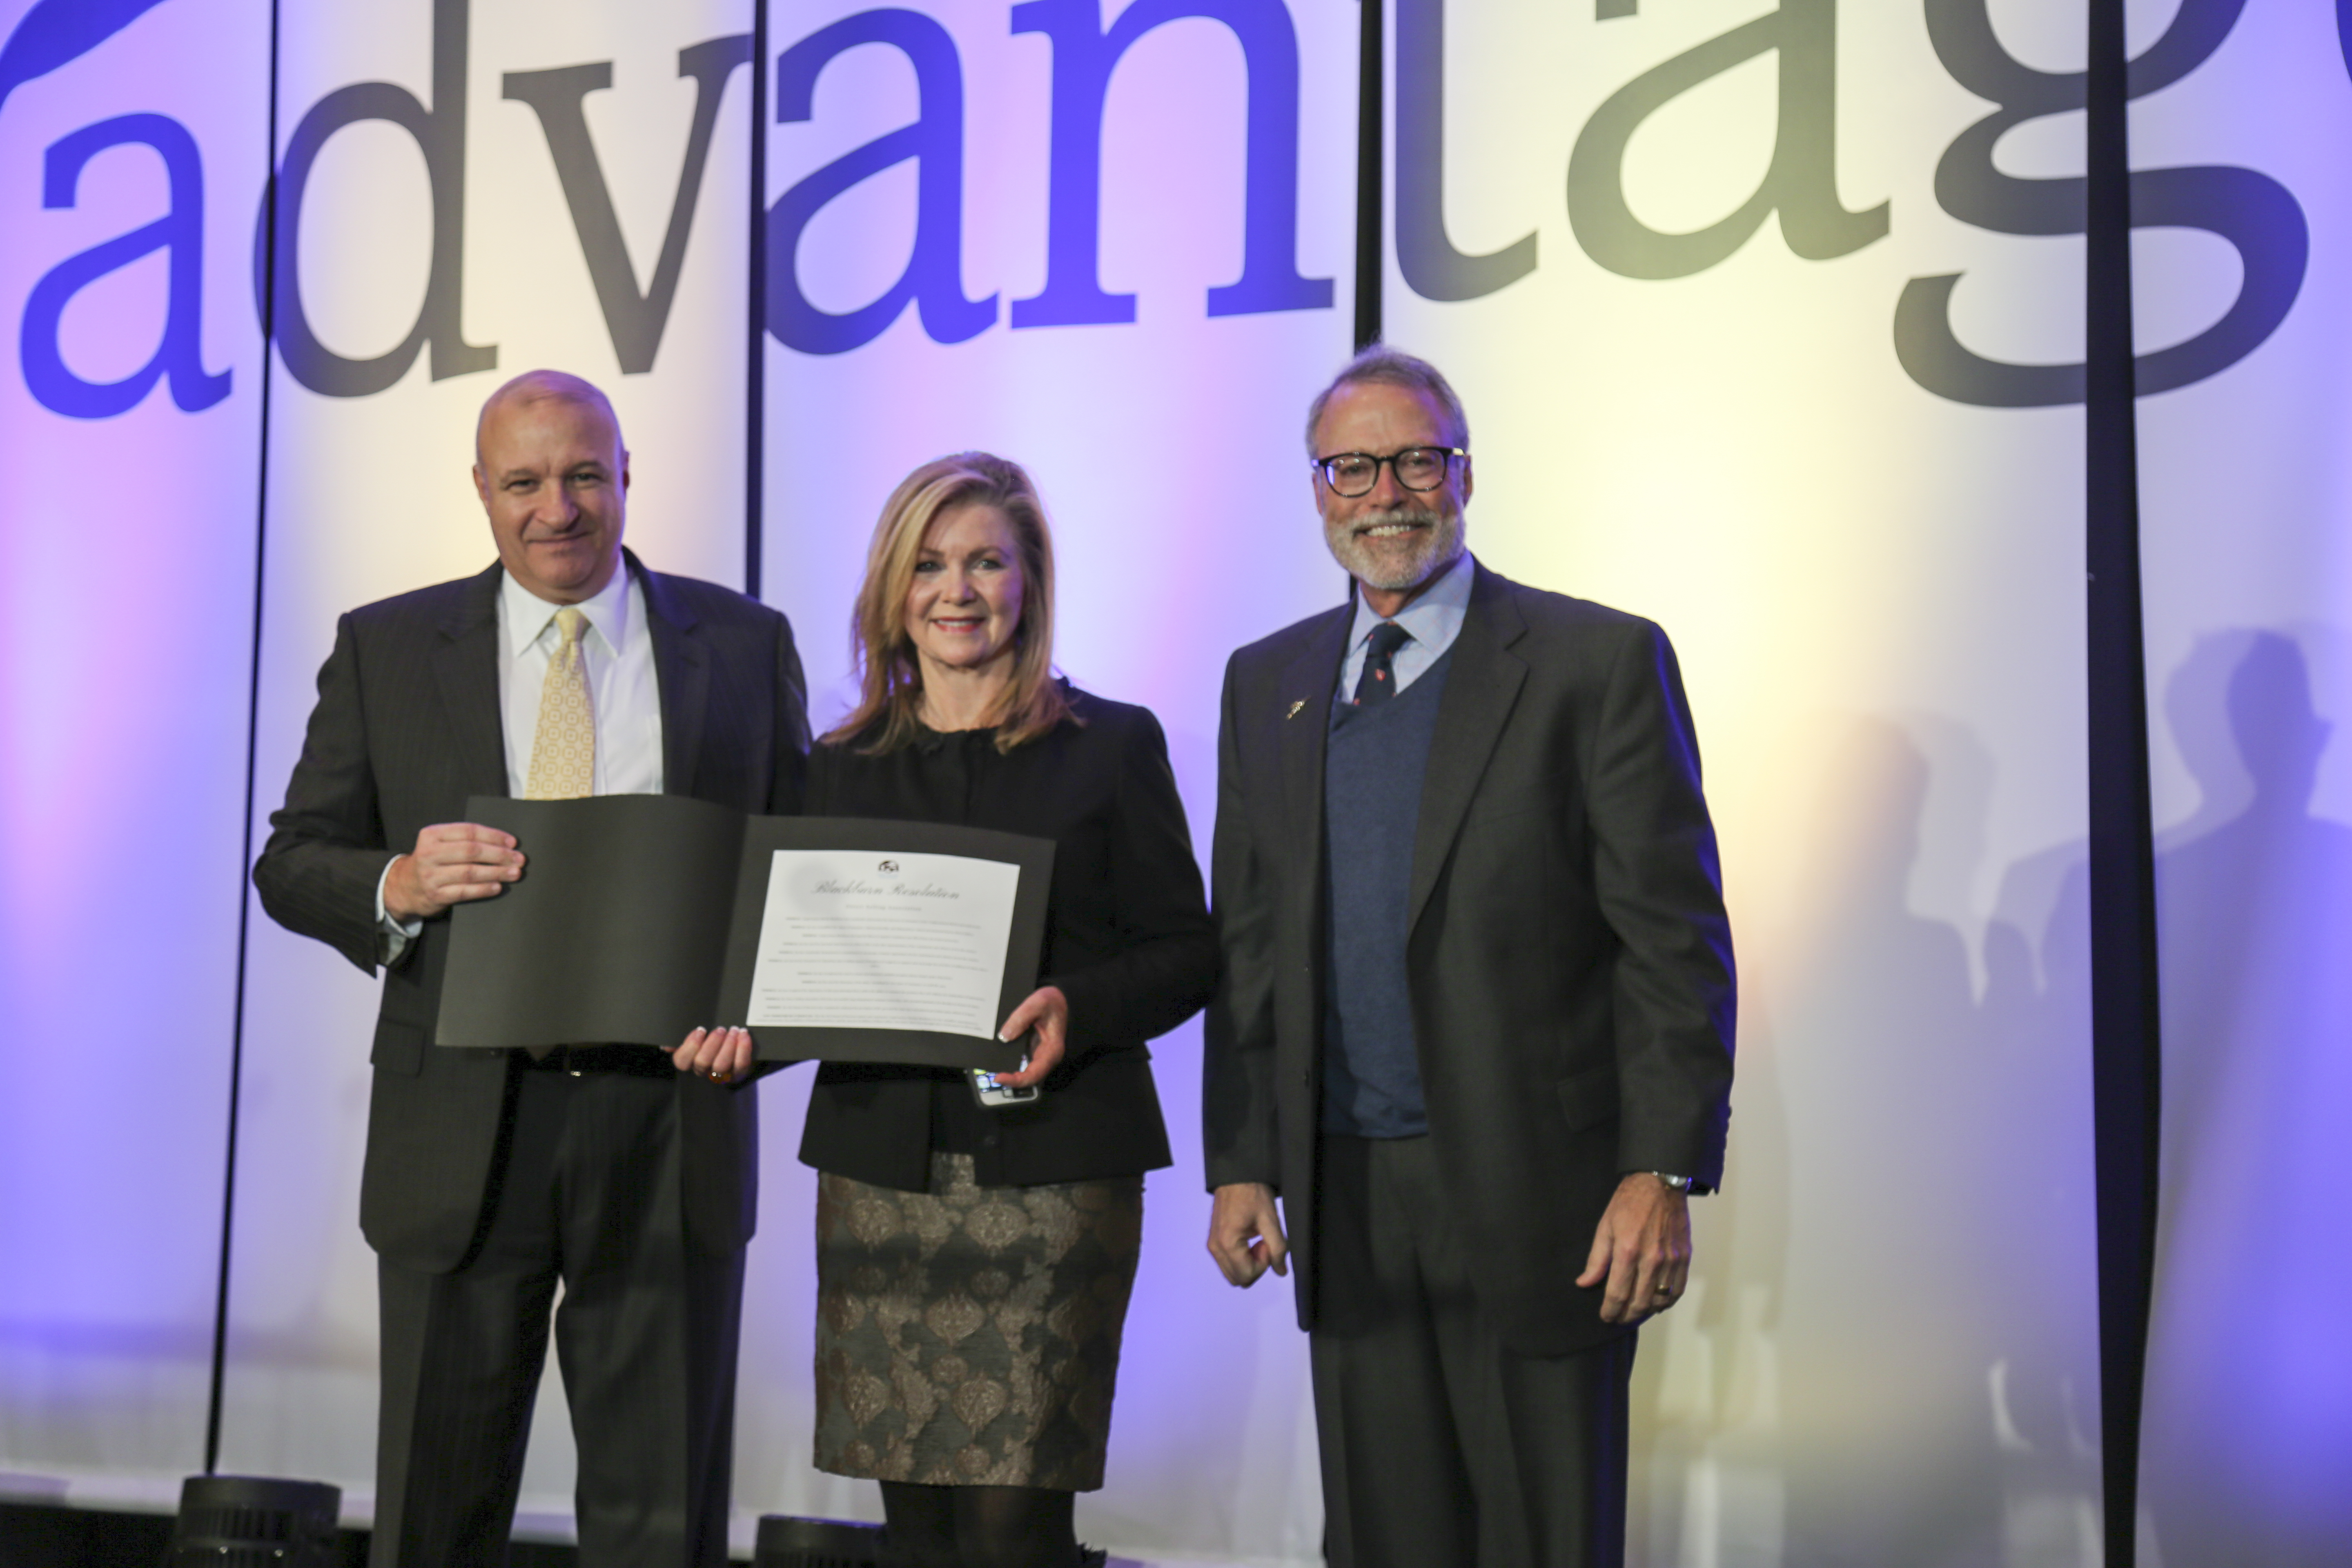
407 727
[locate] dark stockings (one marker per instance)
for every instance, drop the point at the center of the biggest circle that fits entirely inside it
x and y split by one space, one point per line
979 1527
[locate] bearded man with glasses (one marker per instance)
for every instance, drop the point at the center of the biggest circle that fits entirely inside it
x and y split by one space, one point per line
1475 1028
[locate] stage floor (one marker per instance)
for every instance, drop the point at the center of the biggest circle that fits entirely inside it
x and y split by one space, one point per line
46 1535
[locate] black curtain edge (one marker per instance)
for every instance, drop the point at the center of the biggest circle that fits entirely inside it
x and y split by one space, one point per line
2125 1014
1371 174
218 1373
755 390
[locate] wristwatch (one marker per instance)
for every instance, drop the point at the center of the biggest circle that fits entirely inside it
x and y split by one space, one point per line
1679 1184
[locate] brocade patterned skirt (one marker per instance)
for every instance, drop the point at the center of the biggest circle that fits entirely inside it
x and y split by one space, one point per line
969 1336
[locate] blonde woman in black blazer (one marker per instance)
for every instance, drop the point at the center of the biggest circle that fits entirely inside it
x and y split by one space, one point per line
975 1264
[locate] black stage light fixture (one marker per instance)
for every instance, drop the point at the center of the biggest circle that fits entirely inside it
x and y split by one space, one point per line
785 1541
254 1521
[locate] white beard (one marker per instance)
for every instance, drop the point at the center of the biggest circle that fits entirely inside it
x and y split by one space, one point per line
1406 561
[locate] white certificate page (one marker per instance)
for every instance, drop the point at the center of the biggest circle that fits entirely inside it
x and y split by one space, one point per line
858 939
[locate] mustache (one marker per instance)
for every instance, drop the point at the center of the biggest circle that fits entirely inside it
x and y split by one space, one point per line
1395 516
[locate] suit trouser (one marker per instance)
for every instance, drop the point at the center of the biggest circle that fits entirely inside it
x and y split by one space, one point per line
1440 1444
587 1195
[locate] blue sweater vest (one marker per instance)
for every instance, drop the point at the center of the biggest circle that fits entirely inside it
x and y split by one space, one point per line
1373 771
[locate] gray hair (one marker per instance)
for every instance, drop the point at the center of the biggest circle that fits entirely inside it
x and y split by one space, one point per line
1392 367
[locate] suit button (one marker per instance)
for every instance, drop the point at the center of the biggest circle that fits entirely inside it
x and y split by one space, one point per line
989 1140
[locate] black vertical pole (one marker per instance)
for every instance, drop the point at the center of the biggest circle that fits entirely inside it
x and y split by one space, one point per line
755 389
252 762
2126 1021
1371 81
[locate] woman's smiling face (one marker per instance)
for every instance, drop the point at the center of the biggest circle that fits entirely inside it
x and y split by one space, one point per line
964 605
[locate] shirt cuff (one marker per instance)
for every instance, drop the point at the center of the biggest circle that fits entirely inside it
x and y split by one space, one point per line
396 934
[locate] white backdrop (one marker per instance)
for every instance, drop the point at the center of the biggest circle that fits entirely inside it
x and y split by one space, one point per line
370 495
1888 1352
126 633
1167 450
2243 500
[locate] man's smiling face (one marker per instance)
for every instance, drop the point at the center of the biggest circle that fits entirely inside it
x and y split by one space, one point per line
1390 539
554 480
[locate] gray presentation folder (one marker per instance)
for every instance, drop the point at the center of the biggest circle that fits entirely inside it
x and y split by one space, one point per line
637 920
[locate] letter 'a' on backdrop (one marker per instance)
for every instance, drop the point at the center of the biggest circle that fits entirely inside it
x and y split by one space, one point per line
128 422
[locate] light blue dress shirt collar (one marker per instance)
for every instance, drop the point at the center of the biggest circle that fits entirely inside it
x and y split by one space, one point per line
1433 620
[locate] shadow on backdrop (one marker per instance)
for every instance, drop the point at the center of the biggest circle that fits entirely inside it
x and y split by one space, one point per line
1911 1241
1890 1452
2250 1391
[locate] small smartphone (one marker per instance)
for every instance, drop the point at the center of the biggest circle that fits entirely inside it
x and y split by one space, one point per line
995 1096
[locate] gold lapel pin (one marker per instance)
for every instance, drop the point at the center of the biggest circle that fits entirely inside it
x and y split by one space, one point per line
1295 708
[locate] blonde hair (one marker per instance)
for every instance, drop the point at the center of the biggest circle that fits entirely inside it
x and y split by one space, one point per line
891 679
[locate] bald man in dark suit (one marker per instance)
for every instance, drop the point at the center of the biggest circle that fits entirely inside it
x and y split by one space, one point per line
492 1177
1475 1025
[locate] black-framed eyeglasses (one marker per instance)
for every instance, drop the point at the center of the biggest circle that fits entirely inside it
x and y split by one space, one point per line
1353 474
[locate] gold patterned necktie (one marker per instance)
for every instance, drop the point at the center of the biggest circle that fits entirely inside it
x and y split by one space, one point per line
563 754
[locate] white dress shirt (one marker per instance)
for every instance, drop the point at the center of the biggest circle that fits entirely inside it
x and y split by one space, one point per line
1432 621
618 648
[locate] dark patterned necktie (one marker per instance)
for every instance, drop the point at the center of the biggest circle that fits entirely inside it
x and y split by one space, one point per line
1378 683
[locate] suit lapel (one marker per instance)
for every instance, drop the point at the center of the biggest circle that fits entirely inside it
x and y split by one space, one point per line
1480 689
465 669
682 672
1303 726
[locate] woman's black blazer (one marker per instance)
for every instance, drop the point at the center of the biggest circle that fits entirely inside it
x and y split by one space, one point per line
1127 938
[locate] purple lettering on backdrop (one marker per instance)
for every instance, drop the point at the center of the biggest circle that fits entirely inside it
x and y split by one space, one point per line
57 32
933 278
180 231
1084 58
2259 216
